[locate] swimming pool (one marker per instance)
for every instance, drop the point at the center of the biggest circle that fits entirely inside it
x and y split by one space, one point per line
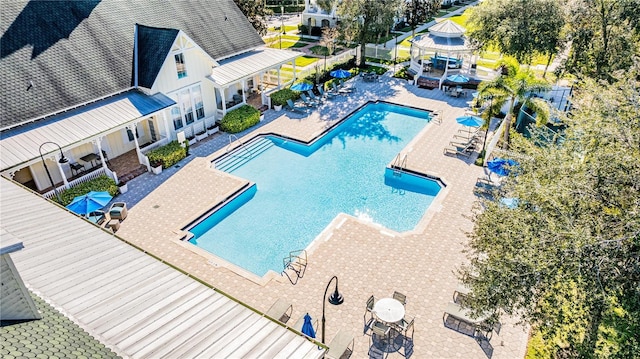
299 189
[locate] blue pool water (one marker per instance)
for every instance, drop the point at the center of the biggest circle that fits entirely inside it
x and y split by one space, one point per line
299 189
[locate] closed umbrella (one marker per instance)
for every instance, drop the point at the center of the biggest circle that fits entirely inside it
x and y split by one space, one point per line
501 166
302 86
459 79
90 202
340 74
307 327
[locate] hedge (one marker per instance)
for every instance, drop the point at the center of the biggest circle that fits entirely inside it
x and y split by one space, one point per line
167 155
98 184
240 119
280 97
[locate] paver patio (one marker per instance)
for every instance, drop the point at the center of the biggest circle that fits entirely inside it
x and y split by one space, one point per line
367 258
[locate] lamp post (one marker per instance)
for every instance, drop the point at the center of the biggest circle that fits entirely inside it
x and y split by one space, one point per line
335 299
395 55
61 160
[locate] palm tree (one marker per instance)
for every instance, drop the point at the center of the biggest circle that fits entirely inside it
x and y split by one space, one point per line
514 84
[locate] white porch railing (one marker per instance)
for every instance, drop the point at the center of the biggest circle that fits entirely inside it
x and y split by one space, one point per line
161 142
85 178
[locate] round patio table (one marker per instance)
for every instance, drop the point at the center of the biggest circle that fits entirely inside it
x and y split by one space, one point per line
389 310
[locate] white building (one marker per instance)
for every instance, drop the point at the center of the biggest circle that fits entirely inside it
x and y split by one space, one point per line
92 80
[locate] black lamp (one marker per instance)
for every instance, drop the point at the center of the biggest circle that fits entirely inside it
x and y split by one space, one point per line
61 160
335 299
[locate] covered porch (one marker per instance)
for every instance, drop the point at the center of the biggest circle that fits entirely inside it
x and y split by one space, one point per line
83 143
249 75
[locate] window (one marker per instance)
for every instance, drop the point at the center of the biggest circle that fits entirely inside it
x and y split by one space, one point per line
180 65
185 102
177 117
197 101
130 134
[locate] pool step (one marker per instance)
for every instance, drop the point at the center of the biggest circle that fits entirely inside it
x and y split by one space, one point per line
241 155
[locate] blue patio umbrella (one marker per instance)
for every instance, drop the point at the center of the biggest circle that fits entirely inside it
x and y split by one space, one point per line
90 202
340 74
470 121
501 166
509 202
457 78
302 86
307 327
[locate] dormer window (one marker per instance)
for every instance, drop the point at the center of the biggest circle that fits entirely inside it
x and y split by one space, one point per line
180 65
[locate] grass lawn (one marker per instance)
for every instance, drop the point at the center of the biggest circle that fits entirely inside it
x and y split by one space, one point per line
461 19
287 28
287 44
319 50
303 61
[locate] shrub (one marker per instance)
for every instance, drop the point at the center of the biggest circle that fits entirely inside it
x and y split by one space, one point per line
99 184
240 119
167 155
280 97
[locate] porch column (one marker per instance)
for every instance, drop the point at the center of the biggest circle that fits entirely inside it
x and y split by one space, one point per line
64 177
244 94
293 63
279 77
224 101
166 125
132 128
102 161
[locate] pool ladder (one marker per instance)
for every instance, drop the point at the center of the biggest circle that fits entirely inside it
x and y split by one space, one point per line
399 163
296 262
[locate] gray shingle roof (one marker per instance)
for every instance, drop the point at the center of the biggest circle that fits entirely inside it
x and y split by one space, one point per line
153 46
57 54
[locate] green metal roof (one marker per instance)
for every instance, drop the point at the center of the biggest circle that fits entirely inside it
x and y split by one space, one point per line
53 336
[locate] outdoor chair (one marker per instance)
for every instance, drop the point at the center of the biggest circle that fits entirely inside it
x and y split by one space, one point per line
322 92
482 326
471 141
460 294
339 345
307 101
313 97
369 311
380 330
293 108
118 210
97 217
464 152
400 297
405 326
280 310
343 90
346 88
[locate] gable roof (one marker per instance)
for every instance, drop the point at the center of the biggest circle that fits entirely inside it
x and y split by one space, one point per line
153 46
57 54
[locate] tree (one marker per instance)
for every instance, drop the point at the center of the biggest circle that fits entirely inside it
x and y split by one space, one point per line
328 40
256 13
515 84
366 19
519 28
566 259
419 11
605 36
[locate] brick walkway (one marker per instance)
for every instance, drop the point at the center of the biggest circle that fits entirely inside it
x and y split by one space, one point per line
367 259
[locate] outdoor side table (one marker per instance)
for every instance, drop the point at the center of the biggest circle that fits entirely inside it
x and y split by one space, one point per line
114 224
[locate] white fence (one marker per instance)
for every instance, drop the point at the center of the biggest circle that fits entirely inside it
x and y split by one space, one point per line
88 177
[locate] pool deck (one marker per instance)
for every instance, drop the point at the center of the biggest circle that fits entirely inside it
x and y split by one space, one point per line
369 260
